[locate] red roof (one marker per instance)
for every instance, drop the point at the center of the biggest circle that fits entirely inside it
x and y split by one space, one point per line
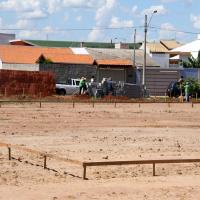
115 62
29 55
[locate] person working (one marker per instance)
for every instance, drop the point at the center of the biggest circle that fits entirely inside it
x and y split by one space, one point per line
82 86
187 88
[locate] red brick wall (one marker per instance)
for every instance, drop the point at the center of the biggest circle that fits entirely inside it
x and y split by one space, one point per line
26 83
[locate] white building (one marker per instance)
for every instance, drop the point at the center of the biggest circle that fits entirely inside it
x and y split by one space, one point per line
160 51
193 48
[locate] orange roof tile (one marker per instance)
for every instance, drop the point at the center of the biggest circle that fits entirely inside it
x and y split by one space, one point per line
29 55
121 62
67 58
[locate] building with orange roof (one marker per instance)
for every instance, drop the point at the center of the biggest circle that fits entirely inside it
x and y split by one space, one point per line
29 55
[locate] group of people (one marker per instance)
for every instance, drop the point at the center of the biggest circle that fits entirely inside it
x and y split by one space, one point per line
91 88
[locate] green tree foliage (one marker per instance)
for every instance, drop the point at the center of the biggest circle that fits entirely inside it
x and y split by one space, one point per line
194 86
192 62
43 60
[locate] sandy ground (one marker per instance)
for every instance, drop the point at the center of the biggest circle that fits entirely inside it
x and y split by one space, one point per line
102 133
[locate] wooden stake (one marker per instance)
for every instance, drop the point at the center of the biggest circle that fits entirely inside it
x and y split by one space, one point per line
9 153
45 161
115 104
40 100
73 103
154 169
165 97
84 172
93 104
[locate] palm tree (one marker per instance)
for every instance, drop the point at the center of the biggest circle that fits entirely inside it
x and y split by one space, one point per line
192 62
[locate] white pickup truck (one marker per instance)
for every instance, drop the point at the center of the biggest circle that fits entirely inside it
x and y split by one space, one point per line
68 89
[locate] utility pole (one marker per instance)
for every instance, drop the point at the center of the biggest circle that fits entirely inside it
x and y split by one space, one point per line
134 62
146 25
145 56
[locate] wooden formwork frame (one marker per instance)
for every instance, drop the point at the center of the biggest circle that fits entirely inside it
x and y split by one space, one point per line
95 164
44 155
136 162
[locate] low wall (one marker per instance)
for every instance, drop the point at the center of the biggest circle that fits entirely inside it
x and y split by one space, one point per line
22 67
65 72
26 83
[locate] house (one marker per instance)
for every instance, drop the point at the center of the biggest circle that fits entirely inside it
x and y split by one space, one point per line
182 53
160 52
118 63
72 44
64 61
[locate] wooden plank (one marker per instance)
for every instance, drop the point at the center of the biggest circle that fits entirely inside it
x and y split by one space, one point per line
105 163
140 162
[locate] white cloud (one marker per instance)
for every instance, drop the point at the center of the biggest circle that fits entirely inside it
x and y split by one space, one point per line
161 10
195 20
115 23
95 34
29 34
166 31
28 9
36 14
48 29
19 5
103 11
35 34
168 1
78 18
134 10
102 17
82 3
22 24
53 6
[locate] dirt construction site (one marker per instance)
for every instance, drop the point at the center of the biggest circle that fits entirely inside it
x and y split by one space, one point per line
43 148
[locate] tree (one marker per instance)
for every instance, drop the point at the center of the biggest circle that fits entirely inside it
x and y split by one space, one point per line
43 60
192 62
194 86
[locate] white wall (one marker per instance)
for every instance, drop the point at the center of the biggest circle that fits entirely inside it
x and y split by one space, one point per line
22 67
161 59
1 64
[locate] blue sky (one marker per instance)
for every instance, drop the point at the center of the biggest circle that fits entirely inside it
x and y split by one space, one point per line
100 20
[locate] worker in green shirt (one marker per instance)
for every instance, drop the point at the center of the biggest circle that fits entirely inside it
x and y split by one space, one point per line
82 86
187 88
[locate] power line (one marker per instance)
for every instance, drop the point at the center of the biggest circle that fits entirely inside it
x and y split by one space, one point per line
174 30
100 28
72 29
